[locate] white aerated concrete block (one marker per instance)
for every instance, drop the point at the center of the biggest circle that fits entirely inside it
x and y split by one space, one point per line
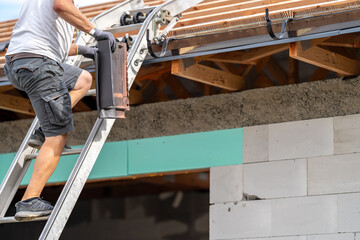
349 212
334 174
347 134
341 236
304 215
248 219
226 183
255 142
311 138
276 179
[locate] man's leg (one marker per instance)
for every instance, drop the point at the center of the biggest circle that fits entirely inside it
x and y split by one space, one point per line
55 127
51 150
81 87
45 165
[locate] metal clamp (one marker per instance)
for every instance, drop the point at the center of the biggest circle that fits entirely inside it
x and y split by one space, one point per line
269 26
165 42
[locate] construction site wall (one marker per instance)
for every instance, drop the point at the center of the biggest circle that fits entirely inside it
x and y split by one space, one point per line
299 181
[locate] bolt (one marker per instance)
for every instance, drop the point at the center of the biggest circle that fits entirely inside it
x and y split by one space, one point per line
142 50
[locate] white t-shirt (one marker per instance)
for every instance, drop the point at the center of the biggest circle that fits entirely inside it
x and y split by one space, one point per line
40 30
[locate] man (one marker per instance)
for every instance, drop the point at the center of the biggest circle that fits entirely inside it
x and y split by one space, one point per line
40 42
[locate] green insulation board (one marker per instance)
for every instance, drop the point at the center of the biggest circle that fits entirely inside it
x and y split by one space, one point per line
152 155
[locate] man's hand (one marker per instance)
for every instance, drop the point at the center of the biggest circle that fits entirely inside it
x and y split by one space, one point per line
101 35
88 52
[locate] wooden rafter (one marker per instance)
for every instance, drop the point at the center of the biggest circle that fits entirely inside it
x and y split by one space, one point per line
160 95
277 72
191 180
348 40
135 97
263 81
16 104
81 107
153 71
325 59
176 87
293 71
207 75
319 74
250 57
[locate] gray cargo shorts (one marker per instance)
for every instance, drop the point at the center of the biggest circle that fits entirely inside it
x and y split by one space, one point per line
47 83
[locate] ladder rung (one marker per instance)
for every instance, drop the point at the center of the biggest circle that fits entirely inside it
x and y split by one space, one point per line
65 153
91 92
13 220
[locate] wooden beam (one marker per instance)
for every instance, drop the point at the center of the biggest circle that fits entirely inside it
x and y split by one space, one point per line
153 71
176 87
347 40
263 81
16 104
242 57
277 72
6 88
190 180
81 107
319 74
160 95
207 75
325 59
293 71
135 97
207 90
232 68
261 63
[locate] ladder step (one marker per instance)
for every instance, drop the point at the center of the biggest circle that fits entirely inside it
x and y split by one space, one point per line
64 153
13 220
91 92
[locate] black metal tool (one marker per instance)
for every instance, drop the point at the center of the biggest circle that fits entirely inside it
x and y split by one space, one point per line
112 95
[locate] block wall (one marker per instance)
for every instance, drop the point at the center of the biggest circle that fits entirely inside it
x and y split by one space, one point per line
299 181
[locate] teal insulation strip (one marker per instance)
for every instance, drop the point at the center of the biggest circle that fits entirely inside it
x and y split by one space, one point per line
152 155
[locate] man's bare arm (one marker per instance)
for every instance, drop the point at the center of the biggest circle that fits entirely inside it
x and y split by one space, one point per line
66 10
72 51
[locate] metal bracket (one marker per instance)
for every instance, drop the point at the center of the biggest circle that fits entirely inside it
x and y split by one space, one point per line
161 37
149 45
269 26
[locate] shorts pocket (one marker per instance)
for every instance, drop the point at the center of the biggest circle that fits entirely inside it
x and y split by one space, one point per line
58 108
26 66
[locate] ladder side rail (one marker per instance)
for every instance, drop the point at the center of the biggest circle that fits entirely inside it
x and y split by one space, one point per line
139 49
103 21
16 172
77 179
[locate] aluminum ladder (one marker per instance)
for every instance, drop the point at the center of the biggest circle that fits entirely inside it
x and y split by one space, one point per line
166 13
